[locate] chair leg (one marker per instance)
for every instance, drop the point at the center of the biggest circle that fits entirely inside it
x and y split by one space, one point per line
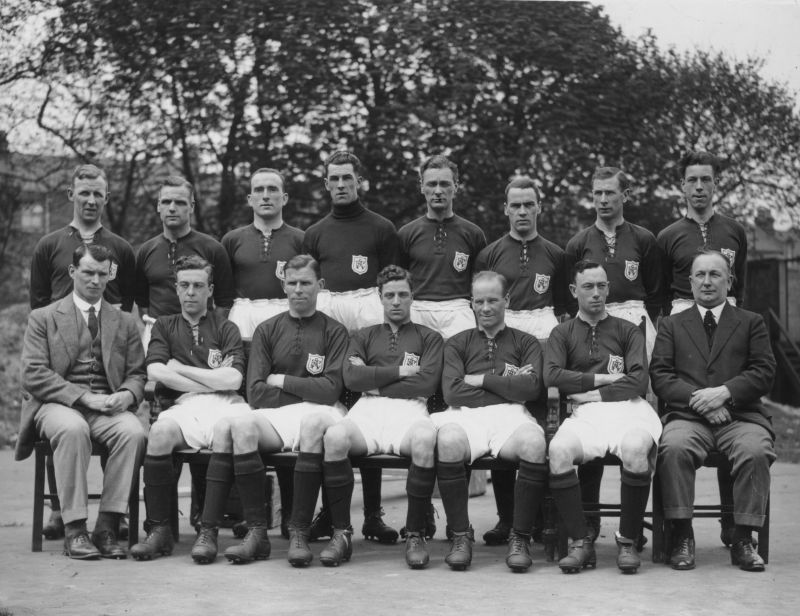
133 510
763 536
55 503
38 502
659 524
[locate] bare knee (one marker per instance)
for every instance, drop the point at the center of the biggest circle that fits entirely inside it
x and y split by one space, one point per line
423 442
451 443
165 435
242 434
312 429
562 455
530 444
635 451
223 436
336 442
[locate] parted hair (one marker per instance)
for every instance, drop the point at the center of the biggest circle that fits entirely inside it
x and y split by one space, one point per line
391 273
490 275
195 262
344 157
96 251
90 172
438 161
608 173
709 252
178 182
581 266
298 262
523 182
268 170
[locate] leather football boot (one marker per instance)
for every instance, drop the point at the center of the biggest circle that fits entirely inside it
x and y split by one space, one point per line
417 556
299 554
460 555
157 543
375 529
518 557
628 559
682 556
430 524
255 546
727 528
239 529
124 528
580 555
321 526
204 550
106 543
744 554
498 535
80 547
54 529
339 548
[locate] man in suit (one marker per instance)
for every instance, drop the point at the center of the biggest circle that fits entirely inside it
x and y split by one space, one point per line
711 366
83 370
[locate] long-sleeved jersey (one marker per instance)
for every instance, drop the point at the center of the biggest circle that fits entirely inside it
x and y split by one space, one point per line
308 350
576 351
441 256
536 271
499 360
384 351
258 260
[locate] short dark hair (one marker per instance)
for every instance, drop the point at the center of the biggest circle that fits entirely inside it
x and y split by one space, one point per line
699 157
438 161
344 157
581 266
90 172
709 252
523 182
194 262
298 262
95 251
391 273
177 182
490 275
268 170
609 173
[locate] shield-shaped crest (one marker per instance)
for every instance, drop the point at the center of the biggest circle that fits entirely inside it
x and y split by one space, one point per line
112 272
280 268
616 364
729 254
631 270
214 358
315 363
410 359
360 264
541 283
460 261
510 370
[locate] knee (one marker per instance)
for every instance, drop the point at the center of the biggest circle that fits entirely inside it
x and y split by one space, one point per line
335 440
313 427
223 439
423 442
74 431
163 438
561 458
531 446
240 432
451 444
635 451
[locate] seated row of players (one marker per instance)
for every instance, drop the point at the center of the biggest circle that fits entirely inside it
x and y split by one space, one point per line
439 183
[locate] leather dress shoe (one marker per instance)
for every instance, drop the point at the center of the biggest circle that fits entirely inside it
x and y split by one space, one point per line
106 544
54 529
80 547
744 554
682 556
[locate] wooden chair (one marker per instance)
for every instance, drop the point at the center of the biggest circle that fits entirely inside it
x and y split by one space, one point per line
42 450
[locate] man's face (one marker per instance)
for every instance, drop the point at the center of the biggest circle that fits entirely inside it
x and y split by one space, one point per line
488 303
89 196
608 198
591 290
193 291
711 280
302 287
343 183
698 186
266 195
90 278
396 298
522 208
175 206
439 189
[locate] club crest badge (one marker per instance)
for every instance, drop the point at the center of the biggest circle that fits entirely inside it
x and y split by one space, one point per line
214 358
315 363
616 364
112 273
360 264
631 270
460 261
410 359
729 254
541 283
510 370
280 270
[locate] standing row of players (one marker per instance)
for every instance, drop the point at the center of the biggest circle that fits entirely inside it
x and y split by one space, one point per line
352 244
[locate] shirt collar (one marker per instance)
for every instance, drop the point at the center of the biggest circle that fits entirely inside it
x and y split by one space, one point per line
716 311
83 305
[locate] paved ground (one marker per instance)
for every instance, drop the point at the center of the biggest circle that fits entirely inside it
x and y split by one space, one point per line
378 582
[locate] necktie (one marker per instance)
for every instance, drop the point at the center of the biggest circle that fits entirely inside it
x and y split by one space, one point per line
711 326
94 326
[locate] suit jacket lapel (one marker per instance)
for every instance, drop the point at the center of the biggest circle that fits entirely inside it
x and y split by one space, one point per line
109 324
728 321
697 332
66 318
